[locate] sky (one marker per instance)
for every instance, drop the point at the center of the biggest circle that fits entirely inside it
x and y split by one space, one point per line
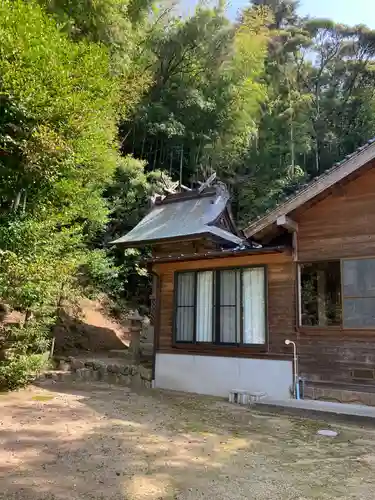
341 11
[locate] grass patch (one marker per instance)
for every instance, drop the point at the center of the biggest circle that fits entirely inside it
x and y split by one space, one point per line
40 397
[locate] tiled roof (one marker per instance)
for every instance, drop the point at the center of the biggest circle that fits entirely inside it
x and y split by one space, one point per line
183 216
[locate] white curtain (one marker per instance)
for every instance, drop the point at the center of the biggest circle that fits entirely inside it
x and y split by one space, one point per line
204 306
254 327
185 308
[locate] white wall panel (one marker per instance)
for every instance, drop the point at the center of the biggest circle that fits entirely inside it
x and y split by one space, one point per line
216 376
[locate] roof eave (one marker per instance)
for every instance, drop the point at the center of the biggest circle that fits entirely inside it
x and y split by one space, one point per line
188 237
216 254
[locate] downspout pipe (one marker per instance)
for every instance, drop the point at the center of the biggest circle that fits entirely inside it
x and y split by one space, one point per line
295 368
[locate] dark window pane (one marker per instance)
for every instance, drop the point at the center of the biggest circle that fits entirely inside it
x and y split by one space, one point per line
228 288
359 278
230 306
359 312
204 306
228 326
320 294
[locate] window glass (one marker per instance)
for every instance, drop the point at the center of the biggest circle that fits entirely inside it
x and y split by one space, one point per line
204 312
359 293
320 294
359 312
230 306
185 307
359 278
223 306
254 331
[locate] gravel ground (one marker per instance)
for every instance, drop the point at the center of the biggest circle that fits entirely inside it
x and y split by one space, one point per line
100 442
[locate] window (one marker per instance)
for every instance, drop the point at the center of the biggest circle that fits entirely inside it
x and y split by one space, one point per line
320 294
359 293
221 307
338 293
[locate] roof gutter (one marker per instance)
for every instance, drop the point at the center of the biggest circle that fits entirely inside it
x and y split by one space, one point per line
217 254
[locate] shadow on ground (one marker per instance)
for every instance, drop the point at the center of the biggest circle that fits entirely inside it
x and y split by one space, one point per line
97 442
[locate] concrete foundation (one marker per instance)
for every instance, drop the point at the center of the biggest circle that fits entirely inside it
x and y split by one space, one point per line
216 376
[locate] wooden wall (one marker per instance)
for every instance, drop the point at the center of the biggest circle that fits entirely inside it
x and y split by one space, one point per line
183 247
281 304
341 225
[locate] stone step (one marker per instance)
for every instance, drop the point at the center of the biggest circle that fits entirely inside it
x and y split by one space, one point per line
339 395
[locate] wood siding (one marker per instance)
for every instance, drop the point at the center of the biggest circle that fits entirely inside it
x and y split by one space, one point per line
184 247
340 226
281 305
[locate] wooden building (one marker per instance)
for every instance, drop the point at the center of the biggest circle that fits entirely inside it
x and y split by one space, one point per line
228 300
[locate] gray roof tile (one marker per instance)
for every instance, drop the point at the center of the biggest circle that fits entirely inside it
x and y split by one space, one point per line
182 218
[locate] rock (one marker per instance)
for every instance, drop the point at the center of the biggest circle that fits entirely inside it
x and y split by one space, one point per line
102 372
77 364
134 369
147 384
145 373
83 373
97 365
125 370
116 368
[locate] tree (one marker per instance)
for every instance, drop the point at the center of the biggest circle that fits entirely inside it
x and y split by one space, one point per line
205 97
59 109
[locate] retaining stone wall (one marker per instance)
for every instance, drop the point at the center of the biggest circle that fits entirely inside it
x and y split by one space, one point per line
79 370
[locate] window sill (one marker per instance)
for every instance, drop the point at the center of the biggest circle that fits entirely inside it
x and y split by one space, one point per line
323 330
210 346
222 351
303 329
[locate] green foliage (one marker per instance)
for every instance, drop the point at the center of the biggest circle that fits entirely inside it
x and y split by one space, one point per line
31 338
205 96
20 370
60 102
99 274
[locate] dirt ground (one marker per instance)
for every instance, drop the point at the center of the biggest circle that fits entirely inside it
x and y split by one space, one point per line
99 442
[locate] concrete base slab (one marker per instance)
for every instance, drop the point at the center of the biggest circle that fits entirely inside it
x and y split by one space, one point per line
319 409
